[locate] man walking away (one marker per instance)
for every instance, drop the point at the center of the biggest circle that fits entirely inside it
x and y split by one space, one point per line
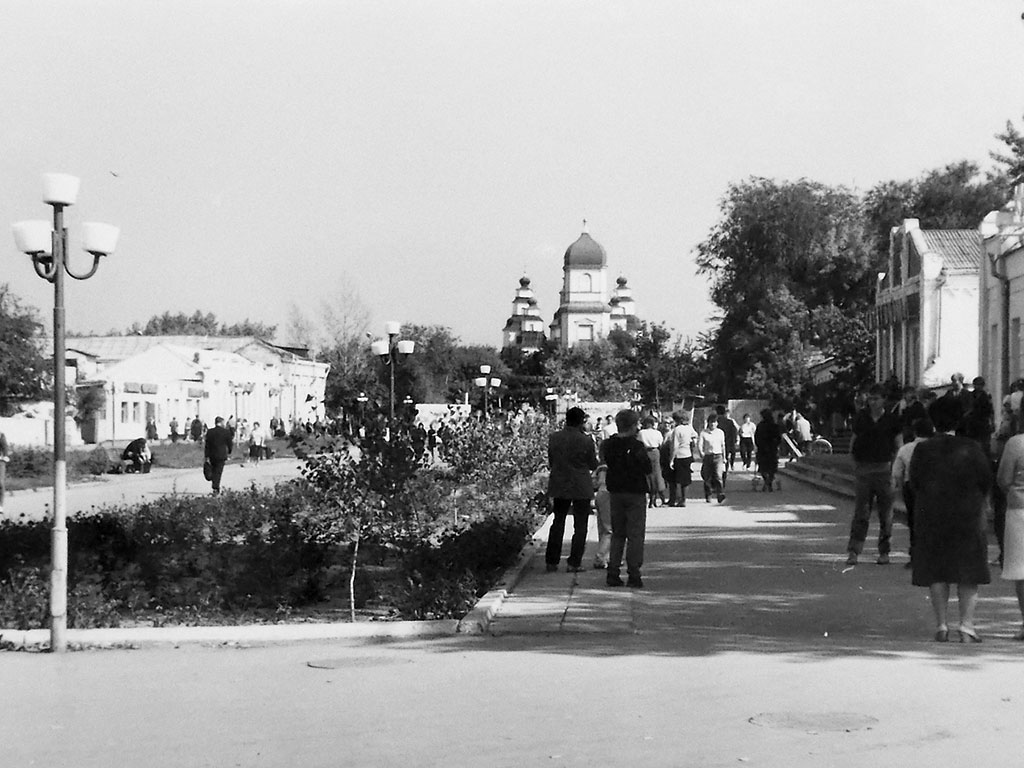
731 429
572 459
217 448
874 445
628 465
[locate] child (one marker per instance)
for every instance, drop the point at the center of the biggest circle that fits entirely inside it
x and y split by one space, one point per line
602 501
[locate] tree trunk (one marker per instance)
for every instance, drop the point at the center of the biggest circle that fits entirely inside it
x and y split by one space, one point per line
352 580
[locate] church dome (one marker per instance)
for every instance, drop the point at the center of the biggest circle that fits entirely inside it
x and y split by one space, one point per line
585 252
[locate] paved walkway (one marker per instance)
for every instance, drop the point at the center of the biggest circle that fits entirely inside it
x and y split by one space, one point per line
753 644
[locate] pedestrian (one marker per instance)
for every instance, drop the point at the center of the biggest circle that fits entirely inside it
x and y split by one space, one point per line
603 505
732 437
712 453
196 429
628 466
951 478
151 430
767 437
216 449
746 431
5 459
609 429
1010 480
1007 429
684 443
652 440
257 443
571 459
174 430
875 430
240 436
802 430
138 453
909 410
979 421
961 398
922 430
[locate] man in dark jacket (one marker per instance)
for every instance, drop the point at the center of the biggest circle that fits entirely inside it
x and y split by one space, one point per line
571 457
217 449
628 466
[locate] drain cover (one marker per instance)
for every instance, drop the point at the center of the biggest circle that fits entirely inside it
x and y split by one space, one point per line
354 662
814 721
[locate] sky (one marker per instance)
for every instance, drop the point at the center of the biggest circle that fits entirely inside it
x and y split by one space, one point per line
422 156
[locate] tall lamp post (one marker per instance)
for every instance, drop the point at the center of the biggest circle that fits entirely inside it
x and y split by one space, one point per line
48 248
390 351
486 381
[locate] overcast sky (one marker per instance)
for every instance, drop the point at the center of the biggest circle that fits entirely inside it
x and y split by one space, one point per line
428 154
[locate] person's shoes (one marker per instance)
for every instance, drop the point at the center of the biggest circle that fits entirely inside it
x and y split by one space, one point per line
614 581
882 560
942 635
851 559
721 498
573 568
707 497
551 567
968 635
635 582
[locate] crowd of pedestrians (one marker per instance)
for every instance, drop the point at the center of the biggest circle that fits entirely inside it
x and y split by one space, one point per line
953 463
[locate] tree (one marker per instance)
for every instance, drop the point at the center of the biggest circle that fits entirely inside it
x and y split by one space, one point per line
22 367
199 324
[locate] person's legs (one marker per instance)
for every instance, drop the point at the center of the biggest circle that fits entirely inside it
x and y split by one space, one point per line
999 516
1018 587
882 487
939 593
618 513
553 553
718 477
604 529
3 483
636 529
967 601
861 510
908 503
580 522
216 471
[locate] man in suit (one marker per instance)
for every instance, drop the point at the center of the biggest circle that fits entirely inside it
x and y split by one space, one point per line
217 449
571 457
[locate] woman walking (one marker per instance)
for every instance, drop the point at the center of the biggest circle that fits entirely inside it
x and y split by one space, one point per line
951 478
652 440
684 441
1010 480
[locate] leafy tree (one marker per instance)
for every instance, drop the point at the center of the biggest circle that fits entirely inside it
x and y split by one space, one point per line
22 367
199 324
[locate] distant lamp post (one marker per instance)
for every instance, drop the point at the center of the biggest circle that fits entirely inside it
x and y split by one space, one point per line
48 247
390 351
486 382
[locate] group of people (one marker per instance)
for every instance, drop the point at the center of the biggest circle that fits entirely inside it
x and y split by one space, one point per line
949 460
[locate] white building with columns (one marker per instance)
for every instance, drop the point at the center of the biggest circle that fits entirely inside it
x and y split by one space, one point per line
927 305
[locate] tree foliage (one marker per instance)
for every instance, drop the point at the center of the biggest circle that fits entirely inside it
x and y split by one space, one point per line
199 324
22 367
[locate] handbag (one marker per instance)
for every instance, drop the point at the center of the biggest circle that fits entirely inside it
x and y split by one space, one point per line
207 469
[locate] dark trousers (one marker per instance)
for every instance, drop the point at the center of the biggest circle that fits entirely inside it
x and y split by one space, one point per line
873 484
580 519
216 470
746 451
629 528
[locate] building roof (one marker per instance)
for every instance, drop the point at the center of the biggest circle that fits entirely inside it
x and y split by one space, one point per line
585 252
960 249
111 348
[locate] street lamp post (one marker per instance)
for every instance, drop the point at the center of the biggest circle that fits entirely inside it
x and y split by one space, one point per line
390 350
486 381
48 248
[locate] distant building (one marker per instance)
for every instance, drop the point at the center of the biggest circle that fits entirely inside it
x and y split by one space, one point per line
589 309
927 304
181 377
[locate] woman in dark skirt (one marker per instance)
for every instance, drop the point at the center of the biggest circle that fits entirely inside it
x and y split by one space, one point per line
950 477
767 437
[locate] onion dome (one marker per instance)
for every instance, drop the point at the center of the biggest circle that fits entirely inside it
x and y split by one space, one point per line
585 252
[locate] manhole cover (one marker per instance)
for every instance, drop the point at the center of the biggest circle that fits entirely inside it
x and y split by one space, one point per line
814 721
354 662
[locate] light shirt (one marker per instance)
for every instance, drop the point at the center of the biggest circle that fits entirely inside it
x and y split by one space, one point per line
651 438
747 429
683 437
609 430
712 441
803 428
901 464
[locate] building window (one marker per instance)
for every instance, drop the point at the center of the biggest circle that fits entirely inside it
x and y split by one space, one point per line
136 411
124 412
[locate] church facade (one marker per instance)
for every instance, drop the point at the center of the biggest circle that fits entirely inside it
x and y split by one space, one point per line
589 308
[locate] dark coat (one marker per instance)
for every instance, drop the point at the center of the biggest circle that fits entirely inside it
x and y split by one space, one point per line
628 464
950 478
571 457
218 444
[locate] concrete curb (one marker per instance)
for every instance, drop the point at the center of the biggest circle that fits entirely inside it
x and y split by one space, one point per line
476 622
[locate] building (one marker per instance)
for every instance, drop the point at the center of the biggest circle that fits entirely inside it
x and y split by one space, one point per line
1002 295
589 309
160 378
926 306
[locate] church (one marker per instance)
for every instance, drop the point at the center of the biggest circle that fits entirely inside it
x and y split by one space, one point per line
589 309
